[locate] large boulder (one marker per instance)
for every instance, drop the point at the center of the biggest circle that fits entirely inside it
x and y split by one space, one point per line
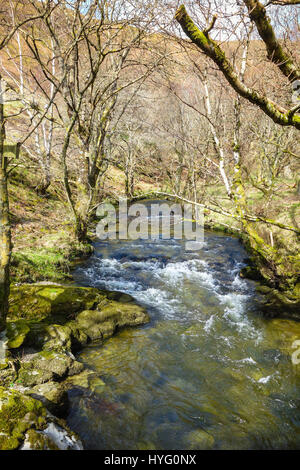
103 324
39 301
65 318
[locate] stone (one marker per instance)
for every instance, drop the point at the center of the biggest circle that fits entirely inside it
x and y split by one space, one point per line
53 396
103 324
200 440
66 318
16 333
29 376
86 379
18 414
25 424
38 301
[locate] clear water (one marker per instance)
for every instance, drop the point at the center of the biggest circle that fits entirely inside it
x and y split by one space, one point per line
208 372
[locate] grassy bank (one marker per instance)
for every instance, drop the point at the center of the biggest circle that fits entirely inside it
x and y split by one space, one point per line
43 245
44 248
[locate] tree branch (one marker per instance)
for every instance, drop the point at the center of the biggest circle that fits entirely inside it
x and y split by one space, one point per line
283 2
276 54
213 50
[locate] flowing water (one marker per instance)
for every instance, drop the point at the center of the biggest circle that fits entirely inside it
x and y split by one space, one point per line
208 372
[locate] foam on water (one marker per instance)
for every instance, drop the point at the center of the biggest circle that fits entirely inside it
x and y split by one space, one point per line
159 275
176 273
235 312
160 300
209 323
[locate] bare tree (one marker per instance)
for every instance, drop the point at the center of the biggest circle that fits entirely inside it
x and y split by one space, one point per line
8 30
275 51
96 47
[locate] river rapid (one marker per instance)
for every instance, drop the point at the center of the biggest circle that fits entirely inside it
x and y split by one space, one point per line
208 372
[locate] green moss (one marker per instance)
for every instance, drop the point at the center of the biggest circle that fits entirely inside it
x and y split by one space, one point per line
50 262
54 396
39 302
38 265
29 376
25 303
38 441
16 333
104 323
64 318
18 413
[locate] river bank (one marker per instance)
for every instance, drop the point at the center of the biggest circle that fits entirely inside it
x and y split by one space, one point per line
47 324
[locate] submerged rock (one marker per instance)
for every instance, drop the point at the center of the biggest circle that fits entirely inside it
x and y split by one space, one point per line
200 440
86 380
284 334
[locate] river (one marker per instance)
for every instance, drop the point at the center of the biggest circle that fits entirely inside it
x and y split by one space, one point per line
208 372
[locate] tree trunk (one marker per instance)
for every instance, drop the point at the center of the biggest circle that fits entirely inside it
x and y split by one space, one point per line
5 246
5 232
81 229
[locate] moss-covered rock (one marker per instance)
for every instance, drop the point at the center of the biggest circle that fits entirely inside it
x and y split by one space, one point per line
36 440
103 324
47 365
56 315
16 333
58 338
25 424
29 376
65 318
54 396
40 301
7 376
280 304
18 414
